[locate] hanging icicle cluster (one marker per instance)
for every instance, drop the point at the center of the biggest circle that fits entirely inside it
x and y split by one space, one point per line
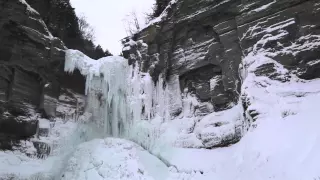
118 94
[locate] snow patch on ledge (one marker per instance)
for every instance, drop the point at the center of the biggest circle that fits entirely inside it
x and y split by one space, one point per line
29 8
264 7
162 16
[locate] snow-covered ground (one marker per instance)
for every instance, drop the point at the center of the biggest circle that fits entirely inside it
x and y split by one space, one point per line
281 142
16 165
109 159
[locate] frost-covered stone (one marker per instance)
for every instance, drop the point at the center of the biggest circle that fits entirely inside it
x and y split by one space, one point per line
220 129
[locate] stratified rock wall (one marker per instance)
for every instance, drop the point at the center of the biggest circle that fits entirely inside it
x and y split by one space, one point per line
31 71
204 41
203 47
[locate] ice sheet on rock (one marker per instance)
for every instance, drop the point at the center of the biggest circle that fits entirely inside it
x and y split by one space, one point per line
118 94
106 84
189 102
175 99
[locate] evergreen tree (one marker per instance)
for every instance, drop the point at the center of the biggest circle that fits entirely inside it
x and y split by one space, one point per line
62 21
99 52
159 7
107 53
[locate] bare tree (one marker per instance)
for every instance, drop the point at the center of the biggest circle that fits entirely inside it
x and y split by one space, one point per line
86 30
131 23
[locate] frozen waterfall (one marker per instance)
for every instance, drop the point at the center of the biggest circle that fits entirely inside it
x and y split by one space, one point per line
118 95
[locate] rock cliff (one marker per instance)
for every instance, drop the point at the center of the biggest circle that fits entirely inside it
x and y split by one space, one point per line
202 47
31 72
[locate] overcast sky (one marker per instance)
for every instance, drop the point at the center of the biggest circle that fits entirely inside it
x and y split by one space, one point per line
106 17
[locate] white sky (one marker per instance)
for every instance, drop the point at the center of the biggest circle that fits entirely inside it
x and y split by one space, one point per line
106 17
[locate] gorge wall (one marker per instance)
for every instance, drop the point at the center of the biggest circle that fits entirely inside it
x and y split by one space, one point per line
206 49
203 40
31 73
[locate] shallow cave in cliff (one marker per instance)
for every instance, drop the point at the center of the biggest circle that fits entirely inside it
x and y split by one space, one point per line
197 81
206 83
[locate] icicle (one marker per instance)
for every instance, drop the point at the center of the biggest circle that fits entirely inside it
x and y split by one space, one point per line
118 95
148 94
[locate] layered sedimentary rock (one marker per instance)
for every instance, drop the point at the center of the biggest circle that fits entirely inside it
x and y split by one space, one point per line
31 71
202 46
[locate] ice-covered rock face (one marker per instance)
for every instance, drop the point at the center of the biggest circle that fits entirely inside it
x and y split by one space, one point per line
218 52
125 102
215 36
266 53
29 59
31 74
